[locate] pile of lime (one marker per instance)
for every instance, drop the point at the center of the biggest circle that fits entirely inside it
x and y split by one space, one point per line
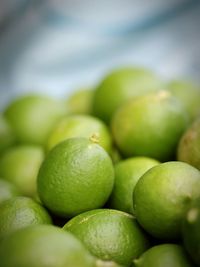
107 177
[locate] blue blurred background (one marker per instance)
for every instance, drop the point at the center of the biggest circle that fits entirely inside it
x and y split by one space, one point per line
56 46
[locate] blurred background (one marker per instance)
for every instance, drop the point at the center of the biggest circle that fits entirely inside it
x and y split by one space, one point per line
57 46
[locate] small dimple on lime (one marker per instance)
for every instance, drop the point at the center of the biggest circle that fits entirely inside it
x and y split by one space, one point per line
94 138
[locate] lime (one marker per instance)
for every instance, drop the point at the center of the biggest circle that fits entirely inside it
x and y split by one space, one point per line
6 134
7 190
109 235
162 195
119 86
189 95
127 173
80 126
190 231
150 126
80 102
165 255
20 165
77 175
32 117
188 148
44 246
19 212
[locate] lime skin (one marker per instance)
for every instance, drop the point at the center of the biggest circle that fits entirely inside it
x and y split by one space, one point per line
188 148
7 190
109 235
80 101
189 94
190 231
20 165
20 212
32 117
80 126
162 196
44 246
127 174
165 255
150 125
119 86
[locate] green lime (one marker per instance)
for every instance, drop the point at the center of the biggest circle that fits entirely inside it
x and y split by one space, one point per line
119 86
32 117
44 246
162 195
77 175
189 95
150 126
20 165
109 235
191 233
7 190
188 148
20 212
165 255
80 102
6 134
127 173
80 126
